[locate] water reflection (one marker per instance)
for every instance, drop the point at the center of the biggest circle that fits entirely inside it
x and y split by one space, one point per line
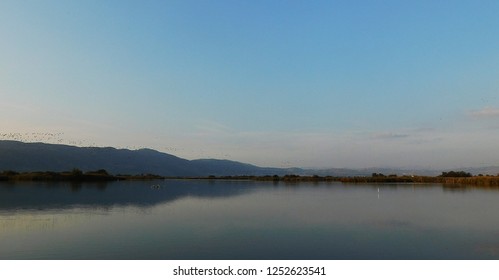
60 195
177 219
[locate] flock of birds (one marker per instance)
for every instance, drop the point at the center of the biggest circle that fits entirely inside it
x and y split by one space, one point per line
61 138
56 138
44 137
32 136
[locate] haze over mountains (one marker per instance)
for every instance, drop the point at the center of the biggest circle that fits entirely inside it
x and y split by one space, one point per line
25 157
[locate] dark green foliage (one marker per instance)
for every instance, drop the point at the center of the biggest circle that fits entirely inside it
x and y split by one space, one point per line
455 174
102 172
9 173
76 173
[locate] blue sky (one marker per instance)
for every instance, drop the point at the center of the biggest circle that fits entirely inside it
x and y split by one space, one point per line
273 83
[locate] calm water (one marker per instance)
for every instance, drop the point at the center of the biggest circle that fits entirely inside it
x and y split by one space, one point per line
246 220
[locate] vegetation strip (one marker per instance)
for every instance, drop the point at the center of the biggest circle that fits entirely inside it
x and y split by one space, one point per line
451 177
74 175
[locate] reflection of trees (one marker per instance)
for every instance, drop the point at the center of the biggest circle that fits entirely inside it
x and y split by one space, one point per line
75 186
55 195
60 195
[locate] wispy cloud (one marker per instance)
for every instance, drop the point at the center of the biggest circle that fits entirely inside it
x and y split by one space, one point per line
424 130
487 112
213 127
390 135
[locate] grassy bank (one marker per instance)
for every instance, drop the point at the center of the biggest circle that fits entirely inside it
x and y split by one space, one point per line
487 181
74 175
102 175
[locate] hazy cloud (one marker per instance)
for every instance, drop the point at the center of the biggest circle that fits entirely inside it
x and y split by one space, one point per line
424 130
389 135
487 112
213 127
494 127
427 140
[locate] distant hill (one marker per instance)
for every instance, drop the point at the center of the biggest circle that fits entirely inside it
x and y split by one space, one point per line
488 170
220 167
345 172
24 157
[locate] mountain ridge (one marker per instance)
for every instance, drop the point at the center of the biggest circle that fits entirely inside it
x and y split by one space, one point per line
28 157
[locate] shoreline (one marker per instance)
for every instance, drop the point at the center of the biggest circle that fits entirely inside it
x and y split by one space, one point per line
488 181
73 176
103 176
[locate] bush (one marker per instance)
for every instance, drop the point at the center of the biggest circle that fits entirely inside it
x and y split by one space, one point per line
455 174
76 172
9 173
101 172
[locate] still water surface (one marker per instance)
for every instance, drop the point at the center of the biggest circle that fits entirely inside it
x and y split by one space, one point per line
189 219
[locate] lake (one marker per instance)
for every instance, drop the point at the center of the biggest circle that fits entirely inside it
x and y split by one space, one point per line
210 219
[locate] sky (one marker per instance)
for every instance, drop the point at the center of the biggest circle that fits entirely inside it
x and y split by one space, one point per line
322 84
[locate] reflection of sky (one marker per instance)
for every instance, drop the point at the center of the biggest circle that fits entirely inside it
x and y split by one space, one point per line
323 218
404 206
